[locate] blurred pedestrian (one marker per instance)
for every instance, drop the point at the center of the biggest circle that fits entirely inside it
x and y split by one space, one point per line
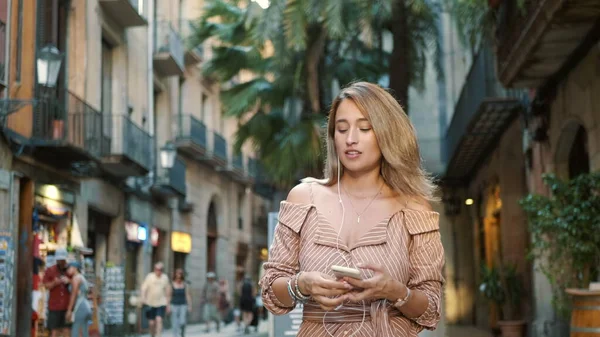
79 311
247 303
225 301
56 282
211 302
156 294
181 303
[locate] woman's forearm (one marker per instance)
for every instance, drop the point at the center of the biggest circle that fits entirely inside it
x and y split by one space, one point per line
280 290
417 302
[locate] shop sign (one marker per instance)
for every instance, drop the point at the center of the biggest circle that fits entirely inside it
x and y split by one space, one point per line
181 242
154 237
135 232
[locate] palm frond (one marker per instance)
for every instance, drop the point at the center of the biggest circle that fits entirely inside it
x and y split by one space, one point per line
229 61
287 146
244 97
334 19
295 23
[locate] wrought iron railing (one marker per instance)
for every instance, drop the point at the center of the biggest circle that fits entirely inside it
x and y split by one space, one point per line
130 140
252 167
167 40
190 128
177 176
63 119
237 162
220 147
188 29
481 85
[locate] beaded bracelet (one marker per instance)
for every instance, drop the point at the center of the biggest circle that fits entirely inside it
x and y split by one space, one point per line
301 297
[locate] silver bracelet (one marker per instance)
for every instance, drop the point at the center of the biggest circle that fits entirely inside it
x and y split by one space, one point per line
301 297
291 292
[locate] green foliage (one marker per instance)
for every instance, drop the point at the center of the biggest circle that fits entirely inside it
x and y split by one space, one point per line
279 45
475 22
565 229
503 287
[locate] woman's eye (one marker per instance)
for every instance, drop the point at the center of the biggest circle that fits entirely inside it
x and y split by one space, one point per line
342 131
365 130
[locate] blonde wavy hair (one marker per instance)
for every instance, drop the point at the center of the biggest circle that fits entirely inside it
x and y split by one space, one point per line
401 161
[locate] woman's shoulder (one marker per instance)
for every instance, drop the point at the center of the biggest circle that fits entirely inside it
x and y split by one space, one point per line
300 194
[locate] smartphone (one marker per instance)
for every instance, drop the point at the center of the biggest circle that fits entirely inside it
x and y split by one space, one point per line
341 272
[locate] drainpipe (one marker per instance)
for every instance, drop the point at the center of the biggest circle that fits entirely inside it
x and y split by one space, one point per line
151 114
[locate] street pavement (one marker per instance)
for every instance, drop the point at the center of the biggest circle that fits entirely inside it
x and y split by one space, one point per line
199 330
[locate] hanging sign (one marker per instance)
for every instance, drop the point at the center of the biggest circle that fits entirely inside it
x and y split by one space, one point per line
181 242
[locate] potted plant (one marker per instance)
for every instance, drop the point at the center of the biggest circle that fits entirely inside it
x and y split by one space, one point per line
565 229
502 286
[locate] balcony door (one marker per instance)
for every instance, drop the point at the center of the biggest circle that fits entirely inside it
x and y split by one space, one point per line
106 95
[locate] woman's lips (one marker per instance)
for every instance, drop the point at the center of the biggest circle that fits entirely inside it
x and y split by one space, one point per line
352 154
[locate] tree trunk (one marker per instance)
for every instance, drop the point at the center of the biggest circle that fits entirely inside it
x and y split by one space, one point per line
313 58
399 68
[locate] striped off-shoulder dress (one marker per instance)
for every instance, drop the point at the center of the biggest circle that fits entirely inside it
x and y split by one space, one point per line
407 244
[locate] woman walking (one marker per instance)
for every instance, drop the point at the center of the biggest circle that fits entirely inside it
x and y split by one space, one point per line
371 215
79 311
181 303
247 303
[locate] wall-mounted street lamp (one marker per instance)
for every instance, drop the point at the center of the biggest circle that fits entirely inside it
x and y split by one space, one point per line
167 155
48 66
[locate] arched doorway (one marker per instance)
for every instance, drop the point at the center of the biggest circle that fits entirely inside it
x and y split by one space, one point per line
572 154
579 158
211 237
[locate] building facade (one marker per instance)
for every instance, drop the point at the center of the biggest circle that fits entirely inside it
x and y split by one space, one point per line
114 146
526 107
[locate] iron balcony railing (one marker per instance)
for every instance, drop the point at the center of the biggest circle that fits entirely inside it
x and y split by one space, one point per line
220 147
481 85
64 119
174 178
188 30
190 128
130 140
237 161
252 167
167 40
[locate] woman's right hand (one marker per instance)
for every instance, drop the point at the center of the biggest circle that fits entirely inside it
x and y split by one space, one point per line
324 289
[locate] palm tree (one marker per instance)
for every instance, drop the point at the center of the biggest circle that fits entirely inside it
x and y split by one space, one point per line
281 109
415 32
295 50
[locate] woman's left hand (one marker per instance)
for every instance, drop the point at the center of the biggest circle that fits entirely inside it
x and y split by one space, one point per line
380 286
68 316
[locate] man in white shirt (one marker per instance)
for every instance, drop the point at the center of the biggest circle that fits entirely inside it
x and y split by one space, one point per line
156 294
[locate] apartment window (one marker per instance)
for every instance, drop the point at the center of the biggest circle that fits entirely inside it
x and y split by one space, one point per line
52 21
240 211
19 41
204 107
3 41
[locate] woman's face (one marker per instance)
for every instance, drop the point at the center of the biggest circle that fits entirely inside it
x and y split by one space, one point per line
355 141
179 275
71 271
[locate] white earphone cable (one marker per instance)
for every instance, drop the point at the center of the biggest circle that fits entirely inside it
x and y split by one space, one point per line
337 245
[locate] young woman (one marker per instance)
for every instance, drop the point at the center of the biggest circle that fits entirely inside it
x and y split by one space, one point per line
181 303
79 311
371 213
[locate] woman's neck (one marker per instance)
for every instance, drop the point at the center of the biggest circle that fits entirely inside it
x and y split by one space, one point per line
363 183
